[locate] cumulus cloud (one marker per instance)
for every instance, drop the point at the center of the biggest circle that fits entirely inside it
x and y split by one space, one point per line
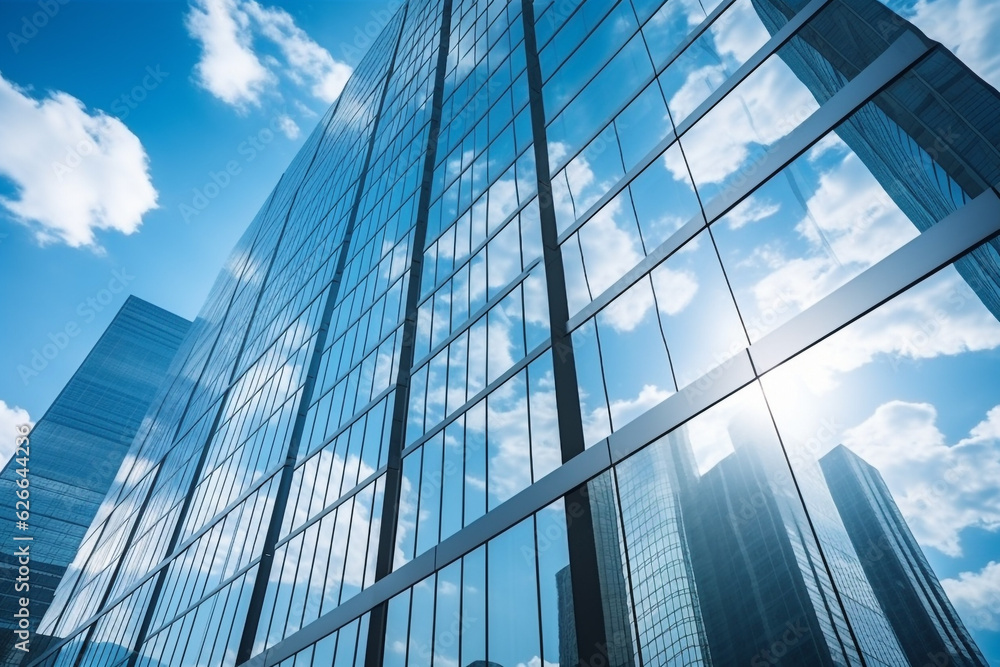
751 209
233 70
976 596
740 32
229 68
537 662
854 216
940 317
10 418
288 127
309 63
75 171
940 488
850 224
761 110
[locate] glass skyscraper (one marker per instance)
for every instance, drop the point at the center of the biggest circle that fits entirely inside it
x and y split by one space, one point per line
76 449
532 356
924 619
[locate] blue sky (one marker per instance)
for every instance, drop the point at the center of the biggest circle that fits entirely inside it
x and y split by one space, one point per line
121 121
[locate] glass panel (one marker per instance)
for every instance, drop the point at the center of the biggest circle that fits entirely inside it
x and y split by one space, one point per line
719 553
513 597
898 469
714 56
854 197
724 145
474 607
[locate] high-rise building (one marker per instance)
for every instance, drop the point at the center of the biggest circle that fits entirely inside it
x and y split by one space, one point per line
928 627
76 449
416 421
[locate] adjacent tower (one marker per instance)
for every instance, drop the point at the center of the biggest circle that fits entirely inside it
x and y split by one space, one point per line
77 448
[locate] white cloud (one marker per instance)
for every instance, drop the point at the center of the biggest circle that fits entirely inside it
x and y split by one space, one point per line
976 596
699 84
970 28
510 448
10 419
229 68
830 143
751 209
288 127
939 317
625 410
232 70
310 64
853 215
627 311
674 289
537 662
765 107
740 33
941 489
75 172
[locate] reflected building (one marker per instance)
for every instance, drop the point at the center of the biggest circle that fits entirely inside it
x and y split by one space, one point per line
739 569
931 142
669 615
923 617
763 587
616 608
420 418
722 565
76 449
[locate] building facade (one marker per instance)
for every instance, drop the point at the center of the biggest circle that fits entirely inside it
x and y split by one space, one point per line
506 369
77 448
907 587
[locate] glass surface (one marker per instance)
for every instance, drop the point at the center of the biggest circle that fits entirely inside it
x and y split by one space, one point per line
889 455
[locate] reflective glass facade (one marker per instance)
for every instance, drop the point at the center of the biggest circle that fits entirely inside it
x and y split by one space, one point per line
74 452
543 349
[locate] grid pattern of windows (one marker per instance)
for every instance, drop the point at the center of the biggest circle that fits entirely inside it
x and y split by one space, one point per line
534 353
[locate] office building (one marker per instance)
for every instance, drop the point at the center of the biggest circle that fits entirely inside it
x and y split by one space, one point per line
922 616
77 448
413 422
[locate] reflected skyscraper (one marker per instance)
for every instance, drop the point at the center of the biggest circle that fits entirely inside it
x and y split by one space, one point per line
76 449
722 566
932 142
923 617
764 588
660 559
615 607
